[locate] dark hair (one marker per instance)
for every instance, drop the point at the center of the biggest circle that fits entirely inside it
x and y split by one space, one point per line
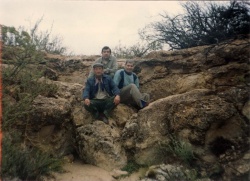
130 61
106 48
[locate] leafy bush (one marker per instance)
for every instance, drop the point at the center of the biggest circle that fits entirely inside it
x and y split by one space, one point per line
18 94
23 163
20 77
41 41
202 23
16 109
21 87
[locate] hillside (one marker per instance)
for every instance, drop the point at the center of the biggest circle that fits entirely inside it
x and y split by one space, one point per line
196 126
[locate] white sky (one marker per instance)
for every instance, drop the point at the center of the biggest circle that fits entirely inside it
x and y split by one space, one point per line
87 26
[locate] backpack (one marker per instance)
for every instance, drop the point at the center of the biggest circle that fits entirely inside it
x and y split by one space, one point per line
122 79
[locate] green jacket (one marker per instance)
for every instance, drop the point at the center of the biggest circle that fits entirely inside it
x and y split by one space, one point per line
111 66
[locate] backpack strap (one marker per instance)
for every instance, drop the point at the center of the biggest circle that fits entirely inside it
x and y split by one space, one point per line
120 85
135 77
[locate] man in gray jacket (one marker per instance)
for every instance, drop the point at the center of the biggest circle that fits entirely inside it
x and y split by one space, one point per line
109 62
128 83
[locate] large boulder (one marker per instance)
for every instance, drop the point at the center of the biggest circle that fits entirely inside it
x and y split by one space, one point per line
51 110
99 144
218 68
198 117
51 128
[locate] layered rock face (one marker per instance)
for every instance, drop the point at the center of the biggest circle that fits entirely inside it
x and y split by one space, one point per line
199 95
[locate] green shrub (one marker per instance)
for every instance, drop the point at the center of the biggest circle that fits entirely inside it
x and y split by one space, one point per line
19 91
39 40
180 149
26 164
132 167
21 85
201 23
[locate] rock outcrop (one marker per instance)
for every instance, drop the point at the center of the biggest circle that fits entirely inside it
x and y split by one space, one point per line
200 95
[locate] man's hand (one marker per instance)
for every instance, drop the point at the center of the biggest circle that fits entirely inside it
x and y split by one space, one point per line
87 102
117 100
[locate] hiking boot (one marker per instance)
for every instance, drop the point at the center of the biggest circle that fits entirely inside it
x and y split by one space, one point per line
144 103
105 119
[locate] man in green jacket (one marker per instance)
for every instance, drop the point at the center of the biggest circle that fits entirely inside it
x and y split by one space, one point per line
109 62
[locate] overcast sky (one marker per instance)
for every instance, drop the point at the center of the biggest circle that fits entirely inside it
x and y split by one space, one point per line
87 26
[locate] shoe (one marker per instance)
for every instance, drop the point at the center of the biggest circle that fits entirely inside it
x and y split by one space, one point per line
144 103
104 118
97 116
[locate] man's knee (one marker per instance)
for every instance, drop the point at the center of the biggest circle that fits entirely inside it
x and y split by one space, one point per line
128 88
88 108
132 87
110 100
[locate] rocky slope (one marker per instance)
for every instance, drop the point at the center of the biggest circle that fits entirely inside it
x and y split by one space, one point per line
200 96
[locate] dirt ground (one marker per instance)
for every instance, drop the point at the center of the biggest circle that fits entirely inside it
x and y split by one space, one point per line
77 171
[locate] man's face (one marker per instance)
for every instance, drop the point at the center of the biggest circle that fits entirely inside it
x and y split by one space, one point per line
98 71
129 67
106 53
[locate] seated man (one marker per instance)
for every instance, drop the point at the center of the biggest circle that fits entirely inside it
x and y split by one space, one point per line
128 83
100 95
109 62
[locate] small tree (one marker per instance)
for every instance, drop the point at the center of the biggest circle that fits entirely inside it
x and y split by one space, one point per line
202 24
41 40
44 41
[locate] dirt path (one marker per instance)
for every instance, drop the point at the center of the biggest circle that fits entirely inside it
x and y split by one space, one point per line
77 171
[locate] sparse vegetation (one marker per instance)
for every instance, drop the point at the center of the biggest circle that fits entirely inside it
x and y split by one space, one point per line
241 79
137 50
132 167
24 163
180 149
21 85
202 23
38 40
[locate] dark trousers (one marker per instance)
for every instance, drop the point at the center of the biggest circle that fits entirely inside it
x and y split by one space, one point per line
98 106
